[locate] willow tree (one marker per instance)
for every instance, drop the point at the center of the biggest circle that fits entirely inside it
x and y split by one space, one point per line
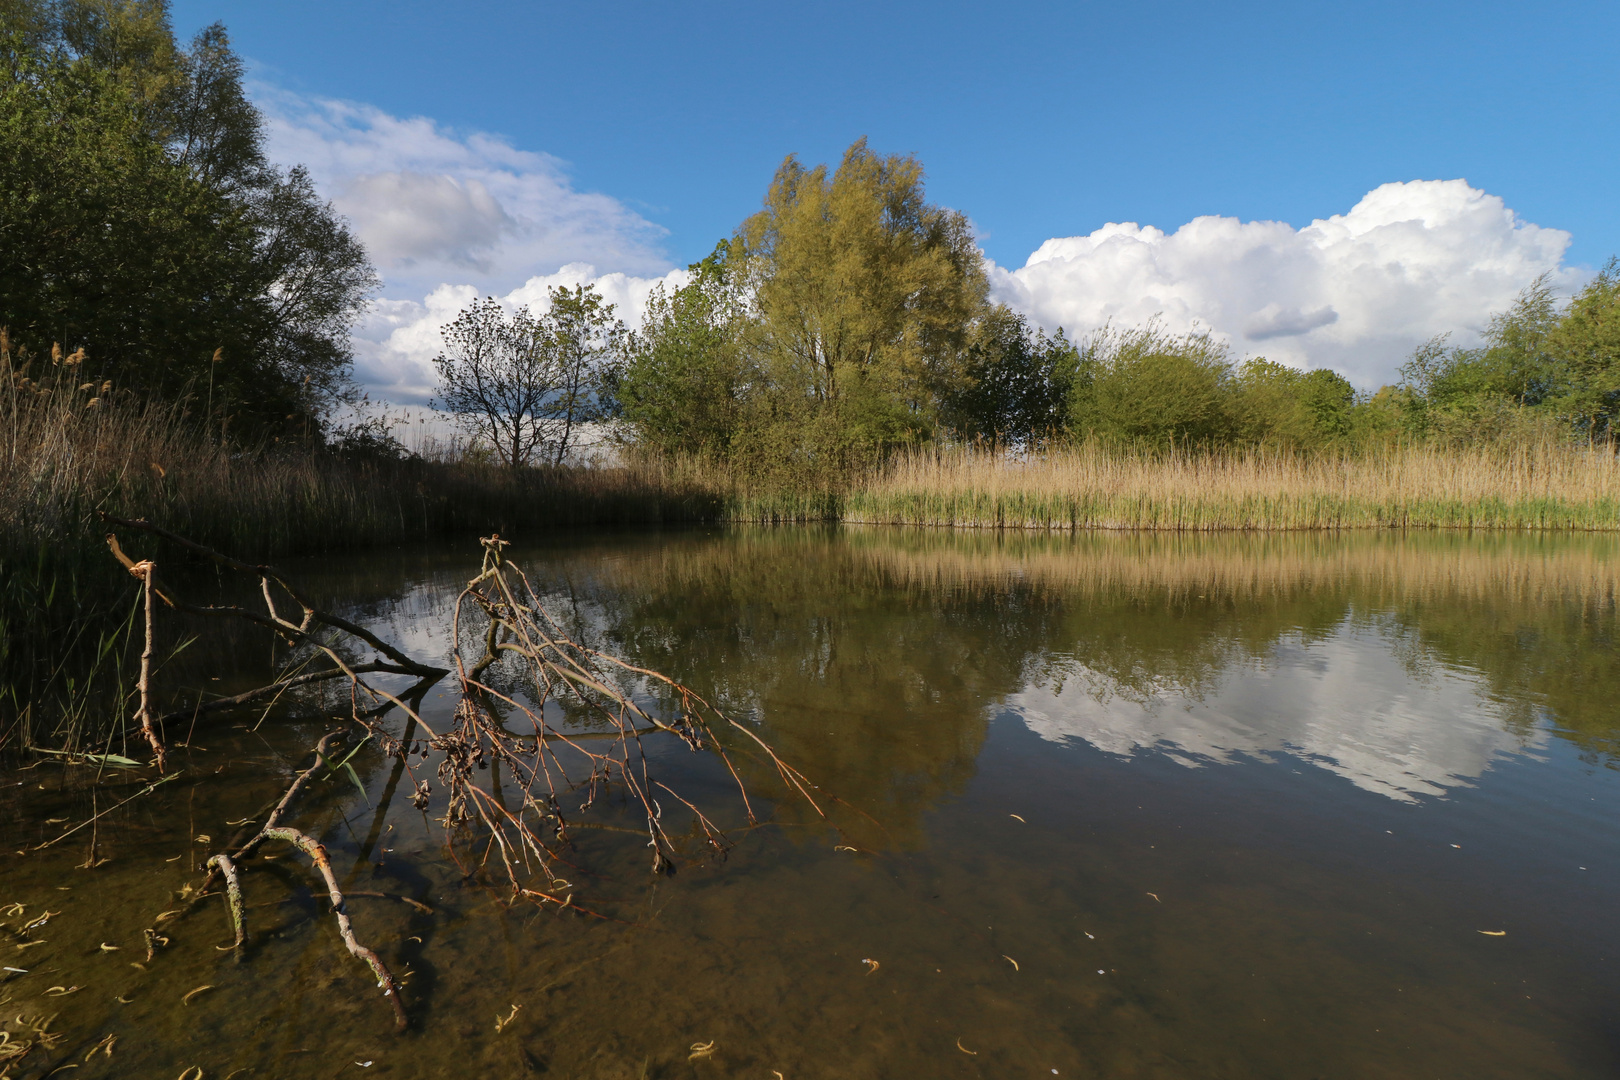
867 296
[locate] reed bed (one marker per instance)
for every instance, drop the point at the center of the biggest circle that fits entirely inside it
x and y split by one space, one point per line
1089 486
73 450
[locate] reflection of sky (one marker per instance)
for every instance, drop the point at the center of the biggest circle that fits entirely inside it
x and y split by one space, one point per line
1345 702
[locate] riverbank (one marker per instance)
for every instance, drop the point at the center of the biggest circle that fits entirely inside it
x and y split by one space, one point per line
73 455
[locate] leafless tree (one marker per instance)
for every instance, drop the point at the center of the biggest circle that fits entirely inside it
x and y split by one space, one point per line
523 383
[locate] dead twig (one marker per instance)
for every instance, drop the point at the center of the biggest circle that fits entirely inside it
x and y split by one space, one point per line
317 855
145 571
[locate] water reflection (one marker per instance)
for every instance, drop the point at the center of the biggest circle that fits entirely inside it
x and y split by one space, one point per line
1406 664
1345 702
1234 919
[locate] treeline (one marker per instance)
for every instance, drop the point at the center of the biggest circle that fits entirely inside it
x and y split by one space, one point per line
147 234
850 318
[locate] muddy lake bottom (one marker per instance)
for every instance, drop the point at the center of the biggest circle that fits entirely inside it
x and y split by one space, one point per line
1304 806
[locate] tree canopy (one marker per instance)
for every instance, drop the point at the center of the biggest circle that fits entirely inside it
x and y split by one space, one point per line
525 385
145 225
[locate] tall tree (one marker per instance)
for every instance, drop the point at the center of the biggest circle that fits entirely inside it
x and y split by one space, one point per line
867 294
171 250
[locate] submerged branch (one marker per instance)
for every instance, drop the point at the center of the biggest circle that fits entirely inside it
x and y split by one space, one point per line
317 855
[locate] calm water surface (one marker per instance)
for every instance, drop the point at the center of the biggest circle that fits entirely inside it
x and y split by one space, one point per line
1119 806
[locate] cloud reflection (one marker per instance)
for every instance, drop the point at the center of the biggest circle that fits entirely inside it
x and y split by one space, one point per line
1347 702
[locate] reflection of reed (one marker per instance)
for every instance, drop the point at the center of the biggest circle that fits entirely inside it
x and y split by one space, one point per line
1379 568
1531 614
1088 486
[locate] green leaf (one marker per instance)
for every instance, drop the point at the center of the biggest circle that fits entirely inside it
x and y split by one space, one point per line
116 760
358 786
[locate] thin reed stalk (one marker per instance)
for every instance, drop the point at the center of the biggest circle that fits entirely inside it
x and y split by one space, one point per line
1088 486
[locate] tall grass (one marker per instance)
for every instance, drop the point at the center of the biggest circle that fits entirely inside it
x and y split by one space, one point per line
71 449
1543 485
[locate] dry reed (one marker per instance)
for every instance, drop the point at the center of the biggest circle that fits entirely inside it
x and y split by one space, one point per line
1088 486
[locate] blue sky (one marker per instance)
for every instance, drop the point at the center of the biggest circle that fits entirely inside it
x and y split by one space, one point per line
1039 121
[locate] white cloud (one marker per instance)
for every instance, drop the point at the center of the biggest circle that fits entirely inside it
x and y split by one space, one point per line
1355 292
396 342
433 205
449 217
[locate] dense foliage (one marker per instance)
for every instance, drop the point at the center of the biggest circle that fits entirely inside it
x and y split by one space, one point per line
850 318
143 224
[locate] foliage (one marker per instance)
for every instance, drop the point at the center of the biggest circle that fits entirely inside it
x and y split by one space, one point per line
1586 343
686 371
1275 405
1015 383
147 228
1539 369
524 384
866 297
1150 386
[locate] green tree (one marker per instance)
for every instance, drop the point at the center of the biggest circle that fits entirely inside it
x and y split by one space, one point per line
1276 405
110 243
1585 345
1149 386
867 296
682 386
159 238
1538 368
1015 382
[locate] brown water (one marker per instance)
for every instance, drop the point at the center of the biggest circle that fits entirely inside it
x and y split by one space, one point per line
1120 806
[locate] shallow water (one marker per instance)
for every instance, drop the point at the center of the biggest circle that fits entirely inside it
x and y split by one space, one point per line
1118 806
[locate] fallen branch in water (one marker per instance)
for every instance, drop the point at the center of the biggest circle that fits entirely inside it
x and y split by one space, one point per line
308 632
145 571
223 865
317 855
526 664
233 895
551 666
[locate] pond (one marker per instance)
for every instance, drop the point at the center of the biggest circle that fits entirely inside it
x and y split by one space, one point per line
1296 805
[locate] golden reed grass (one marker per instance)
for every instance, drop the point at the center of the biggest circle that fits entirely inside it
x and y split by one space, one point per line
1089 486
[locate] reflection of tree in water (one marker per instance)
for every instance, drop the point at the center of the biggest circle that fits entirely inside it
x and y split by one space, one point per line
874 657
874 688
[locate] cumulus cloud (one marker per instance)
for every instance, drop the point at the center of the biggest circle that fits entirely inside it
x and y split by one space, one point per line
433 205
1355 291
448 216
396 342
